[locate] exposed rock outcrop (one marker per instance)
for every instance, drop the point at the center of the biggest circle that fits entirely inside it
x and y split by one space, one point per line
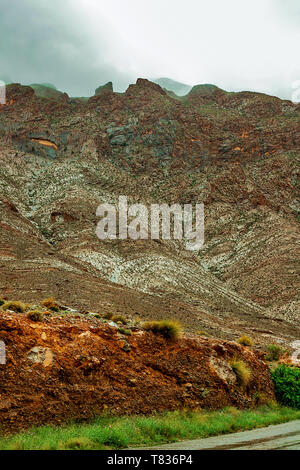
107 88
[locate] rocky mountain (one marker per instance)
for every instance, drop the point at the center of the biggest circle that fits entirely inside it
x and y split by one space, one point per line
236 152
46 90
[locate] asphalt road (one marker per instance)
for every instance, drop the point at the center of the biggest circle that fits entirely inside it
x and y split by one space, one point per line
284 436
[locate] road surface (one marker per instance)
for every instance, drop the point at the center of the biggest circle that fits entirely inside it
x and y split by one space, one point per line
284 436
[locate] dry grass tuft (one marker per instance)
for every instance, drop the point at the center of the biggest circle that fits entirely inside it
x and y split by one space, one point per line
274 352
170 329
124 331
50 304
108 316
119 319
242 371
14 305
245 341
35 315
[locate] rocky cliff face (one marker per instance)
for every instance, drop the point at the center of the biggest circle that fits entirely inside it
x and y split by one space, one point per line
236 152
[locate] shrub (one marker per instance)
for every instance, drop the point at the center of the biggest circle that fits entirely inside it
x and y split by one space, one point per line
170 329
123 331
242 371
2 302
119 319
287 385
245 341
55 308
274 352
14 305
50 304
47 302
35 315
108 316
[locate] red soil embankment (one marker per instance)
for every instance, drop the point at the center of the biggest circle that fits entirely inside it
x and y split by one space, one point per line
74 368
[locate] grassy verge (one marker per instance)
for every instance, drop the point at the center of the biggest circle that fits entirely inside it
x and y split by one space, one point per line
109 432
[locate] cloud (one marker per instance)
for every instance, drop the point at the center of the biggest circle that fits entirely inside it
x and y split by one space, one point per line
43 41
288 12
80 44
236 45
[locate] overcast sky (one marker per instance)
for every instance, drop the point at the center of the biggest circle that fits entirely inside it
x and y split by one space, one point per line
80 44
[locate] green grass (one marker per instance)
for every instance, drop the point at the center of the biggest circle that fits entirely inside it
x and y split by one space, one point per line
109 432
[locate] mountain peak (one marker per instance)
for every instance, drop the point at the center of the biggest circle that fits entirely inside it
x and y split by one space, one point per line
143 83
108 87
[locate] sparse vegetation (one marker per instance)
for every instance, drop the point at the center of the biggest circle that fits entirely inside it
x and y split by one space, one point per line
14 305
50 304
35 315
108 316
47 302
170 329
242 371
108 432
261 398
287 385
119 319
245 341
78 443
124 331
274 352
55 308
202 333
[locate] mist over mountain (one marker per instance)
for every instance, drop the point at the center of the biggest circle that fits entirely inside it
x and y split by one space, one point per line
180 89
78 45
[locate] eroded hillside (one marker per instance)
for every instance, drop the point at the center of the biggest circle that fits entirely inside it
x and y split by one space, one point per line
236 152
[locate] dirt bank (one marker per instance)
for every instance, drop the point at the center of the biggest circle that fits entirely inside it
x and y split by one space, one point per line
74 368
